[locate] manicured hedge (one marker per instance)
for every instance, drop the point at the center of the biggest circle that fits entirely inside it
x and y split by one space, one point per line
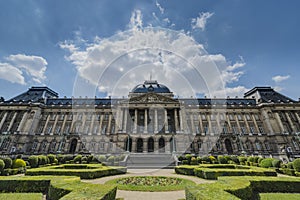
210 171
23 196
58 187
88 171
213 174
242 188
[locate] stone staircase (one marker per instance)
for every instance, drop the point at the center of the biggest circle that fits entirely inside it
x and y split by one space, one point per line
150 161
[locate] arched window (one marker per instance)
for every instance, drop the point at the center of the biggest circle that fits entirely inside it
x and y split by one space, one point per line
258 145
43 146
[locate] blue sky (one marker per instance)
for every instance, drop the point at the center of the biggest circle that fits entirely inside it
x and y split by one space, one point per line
60 44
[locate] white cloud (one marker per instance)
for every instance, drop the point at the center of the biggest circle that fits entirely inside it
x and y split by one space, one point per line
173 58
11 74
232 92
34 66
200 22
161 9
280 78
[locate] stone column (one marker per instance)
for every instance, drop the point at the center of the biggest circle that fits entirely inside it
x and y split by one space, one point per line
46 124
83 123
297 116
238 123
176 120
192 123
201 124
218 122
247 125
109 124
229 123
100 124
181 120
155 121
166 121
135 120
145 145
64 123
3 120
267 121
146 122
209 125
255 124
120 121
92 125
24 118
279 122
12 121
125 120
54 124
290 122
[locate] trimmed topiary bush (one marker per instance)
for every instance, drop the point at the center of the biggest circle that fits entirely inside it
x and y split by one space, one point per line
51 158
205 159
188 157
2 165
43 160
290 165
235 159
242 159
266 163
259 160
222 160
8 162
212 159
194 161
33 161
296 165
276 163
19 163
90 158
78 158
102 158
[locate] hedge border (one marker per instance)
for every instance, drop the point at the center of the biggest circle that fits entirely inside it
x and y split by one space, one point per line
58 187
91 171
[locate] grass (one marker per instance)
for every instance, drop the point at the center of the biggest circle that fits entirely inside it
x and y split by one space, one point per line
151 183
23 196
279 196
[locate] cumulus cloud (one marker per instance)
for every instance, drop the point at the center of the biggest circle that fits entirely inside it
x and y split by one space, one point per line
115 65
280 78
11 74
33 66
200 22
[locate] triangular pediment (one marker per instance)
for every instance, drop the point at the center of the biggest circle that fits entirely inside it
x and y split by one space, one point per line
152 98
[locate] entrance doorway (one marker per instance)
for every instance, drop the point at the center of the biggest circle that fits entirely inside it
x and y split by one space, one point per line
73 146
150 145
139 145
228 146
161 144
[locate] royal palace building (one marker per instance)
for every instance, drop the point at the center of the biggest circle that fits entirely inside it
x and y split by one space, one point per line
151 119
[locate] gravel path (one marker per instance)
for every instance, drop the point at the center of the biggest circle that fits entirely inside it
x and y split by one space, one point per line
132 195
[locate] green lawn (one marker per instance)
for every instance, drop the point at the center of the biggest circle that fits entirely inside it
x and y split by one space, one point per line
21 196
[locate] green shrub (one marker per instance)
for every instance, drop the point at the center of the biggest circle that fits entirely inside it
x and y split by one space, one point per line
19 163
250 159
185 162
199 160
84 159
78 158
51 158
259 160
235 159
90 158
43 160
188 157
212 159
194 161
205 159
8 162
185 169
33 161
256 158
287 171
266 163
56 161
242 159
296 164
228 158
276 163
2 165
290 165
180 158
222 160
102 158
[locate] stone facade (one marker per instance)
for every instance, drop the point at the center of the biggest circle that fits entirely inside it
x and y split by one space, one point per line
264 122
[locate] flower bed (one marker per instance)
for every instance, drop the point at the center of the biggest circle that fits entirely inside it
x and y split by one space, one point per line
151 183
